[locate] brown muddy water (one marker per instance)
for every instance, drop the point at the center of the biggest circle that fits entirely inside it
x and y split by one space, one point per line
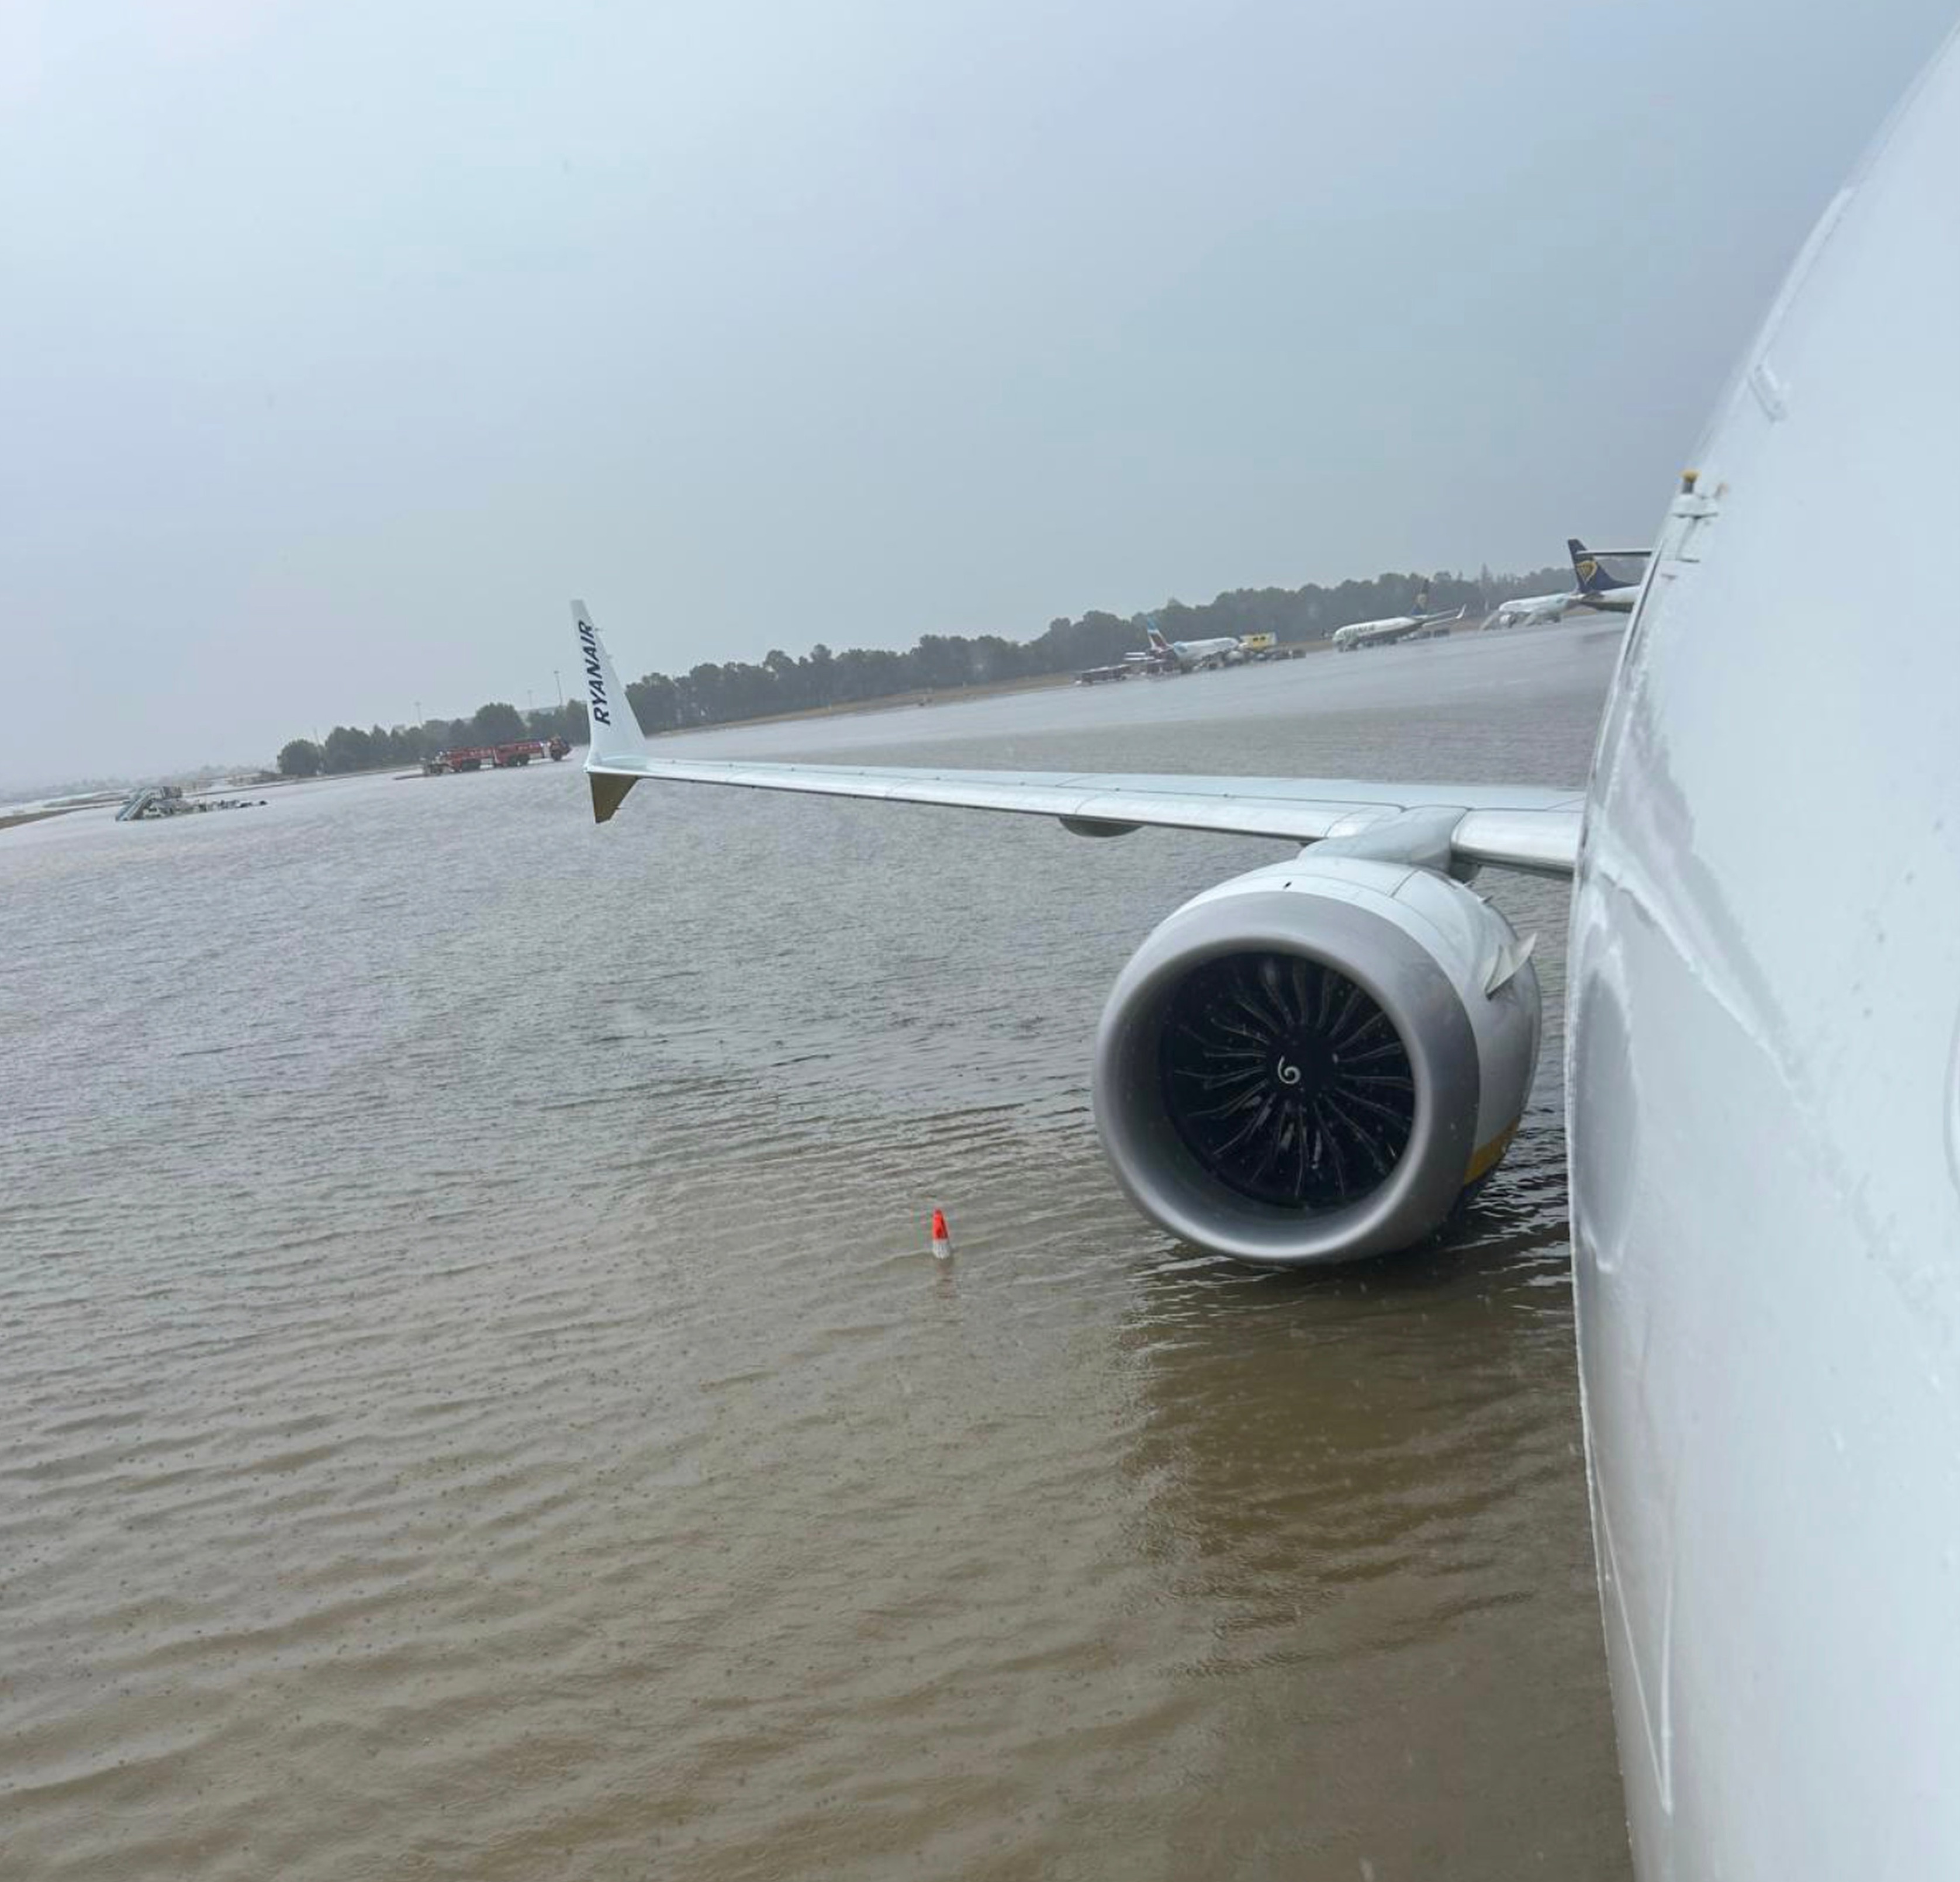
478 1402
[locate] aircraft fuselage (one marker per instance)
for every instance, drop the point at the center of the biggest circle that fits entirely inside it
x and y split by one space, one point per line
1763 1089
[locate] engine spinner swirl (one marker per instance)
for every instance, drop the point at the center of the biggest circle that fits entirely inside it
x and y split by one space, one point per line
1286 1080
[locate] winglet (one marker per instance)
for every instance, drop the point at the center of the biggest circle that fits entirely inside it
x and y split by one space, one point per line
611 760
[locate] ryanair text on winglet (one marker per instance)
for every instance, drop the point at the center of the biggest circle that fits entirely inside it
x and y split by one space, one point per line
594 674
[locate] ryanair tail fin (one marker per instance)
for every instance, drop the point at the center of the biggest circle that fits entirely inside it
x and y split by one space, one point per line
616 739
1589 573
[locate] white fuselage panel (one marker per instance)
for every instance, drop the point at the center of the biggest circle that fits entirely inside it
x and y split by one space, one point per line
1764 1093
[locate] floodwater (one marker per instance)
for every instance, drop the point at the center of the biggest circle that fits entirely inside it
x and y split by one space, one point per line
476 1400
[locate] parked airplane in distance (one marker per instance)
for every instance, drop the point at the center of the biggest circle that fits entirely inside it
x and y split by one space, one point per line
1401 626
1193 657
1522 611
1313 1061
1594 587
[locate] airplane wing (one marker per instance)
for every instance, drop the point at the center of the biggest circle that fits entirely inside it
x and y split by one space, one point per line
1528 827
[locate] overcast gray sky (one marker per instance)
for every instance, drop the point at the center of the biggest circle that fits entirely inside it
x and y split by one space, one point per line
344 342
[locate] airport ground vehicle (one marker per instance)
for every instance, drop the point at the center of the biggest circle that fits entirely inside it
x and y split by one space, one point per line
514 752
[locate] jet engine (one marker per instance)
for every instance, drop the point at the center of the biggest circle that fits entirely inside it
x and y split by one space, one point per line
1315 1061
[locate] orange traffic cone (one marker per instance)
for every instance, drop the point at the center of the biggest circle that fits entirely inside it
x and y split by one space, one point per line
942 1242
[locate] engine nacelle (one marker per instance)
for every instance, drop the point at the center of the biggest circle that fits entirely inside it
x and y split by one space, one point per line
1314 1062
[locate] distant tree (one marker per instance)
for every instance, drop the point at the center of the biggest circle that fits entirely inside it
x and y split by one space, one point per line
299 758
939 659
789 681
497 723
348 748
566 722
701 689
819 679
411 746
992 658
656 704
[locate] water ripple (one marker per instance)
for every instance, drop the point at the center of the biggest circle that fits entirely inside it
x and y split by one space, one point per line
478 1401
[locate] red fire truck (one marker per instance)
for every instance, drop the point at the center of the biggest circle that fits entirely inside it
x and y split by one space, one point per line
475 758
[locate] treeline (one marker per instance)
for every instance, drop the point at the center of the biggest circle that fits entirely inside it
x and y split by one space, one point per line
716 694
719 694
348 749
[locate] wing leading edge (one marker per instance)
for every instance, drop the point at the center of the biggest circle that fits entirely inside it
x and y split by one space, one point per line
1526 828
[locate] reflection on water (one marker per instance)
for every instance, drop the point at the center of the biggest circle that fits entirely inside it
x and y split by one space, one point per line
477 1401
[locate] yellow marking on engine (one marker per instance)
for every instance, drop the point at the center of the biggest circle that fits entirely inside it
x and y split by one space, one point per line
1483 1162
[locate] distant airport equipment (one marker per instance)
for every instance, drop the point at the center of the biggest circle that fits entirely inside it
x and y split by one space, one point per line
1417 626
1101 676
1266 646
1313 1061
150 802
1595 588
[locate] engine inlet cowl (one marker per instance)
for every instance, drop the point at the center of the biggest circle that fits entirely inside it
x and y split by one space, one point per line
1304 1066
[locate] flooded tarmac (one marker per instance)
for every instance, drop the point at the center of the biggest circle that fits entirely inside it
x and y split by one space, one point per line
478 1401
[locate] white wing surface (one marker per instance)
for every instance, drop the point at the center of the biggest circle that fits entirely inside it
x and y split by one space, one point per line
1525 827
